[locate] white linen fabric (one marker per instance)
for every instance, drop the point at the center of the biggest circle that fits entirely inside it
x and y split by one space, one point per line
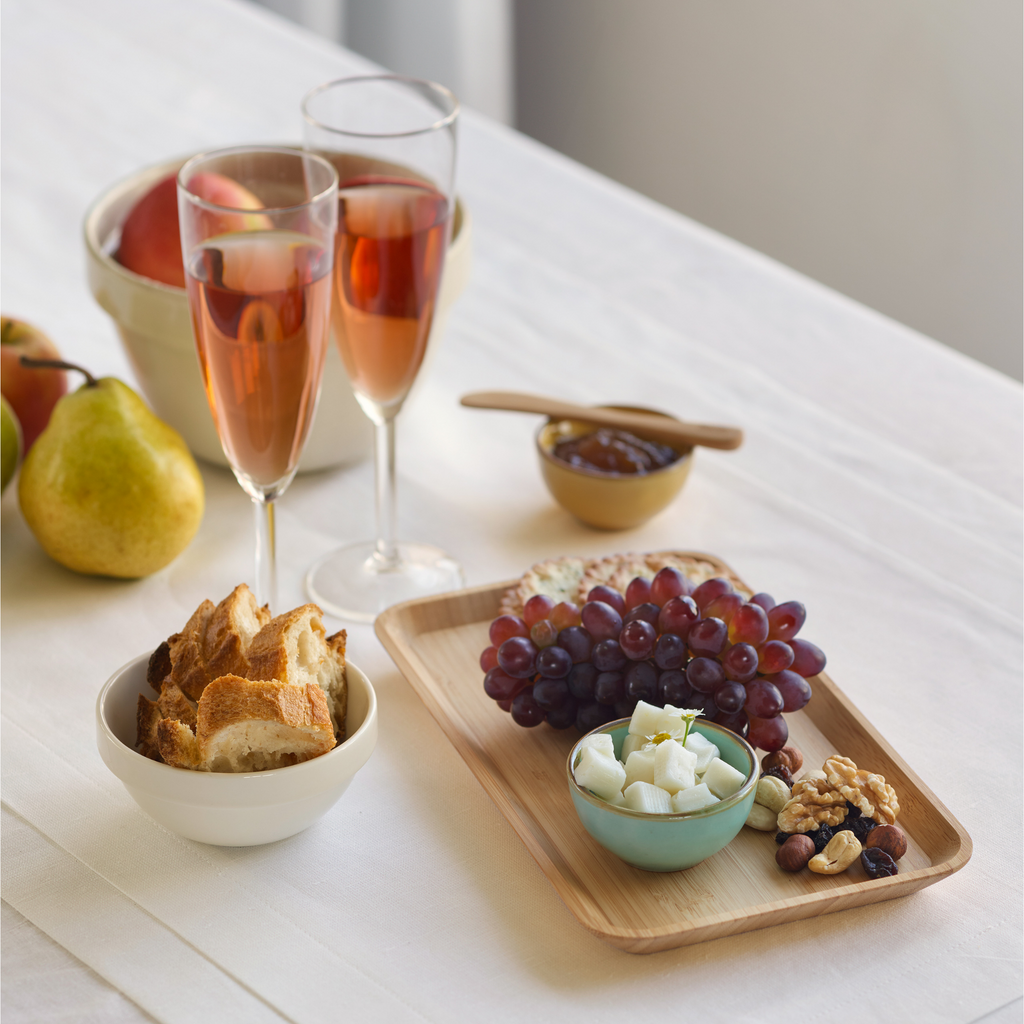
880 483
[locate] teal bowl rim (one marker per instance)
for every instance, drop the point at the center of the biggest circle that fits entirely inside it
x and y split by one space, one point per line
707 812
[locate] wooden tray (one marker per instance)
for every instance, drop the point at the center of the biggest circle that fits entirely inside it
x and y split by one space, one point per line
436 643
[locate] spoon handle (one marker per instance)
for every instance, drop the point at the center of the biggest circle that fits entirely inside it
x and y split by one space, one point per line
651 425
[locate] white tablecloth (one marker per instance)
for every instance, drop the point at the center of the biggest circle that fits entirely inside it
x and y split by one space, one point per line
880 483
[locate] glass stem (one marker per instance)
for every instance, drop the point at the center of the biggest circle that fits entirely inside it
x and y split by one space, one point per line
386 553
266 554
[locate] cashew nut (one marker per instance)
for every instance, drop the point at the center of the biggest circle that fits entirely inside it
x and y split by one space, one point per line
843 849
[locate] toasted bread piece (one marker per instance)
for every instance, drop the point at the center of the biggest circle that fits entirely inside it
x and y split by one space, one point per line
290 648
333 682
178 747
159 667
171 703
214 641
252 725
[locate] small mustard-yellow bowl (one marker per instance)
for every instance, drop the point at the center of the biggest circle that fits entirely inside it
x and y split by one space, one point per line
608 501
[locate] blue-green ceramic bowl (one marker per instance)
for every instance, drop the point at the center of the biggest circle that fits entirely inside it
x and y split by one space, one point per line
669 842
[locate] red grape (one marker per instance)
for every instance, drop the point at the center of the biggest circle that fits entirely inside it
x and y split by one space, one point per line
709 590
505 705
795 690
592 715
705 675
674 689
749 625
581 681
625 707
669 583
730 697
601 620
544 633
724 607
737 722
808 660
637 639
506 626
564 715
489 658
607 595
642 681
499 685
565 614
763 699
517 656
774 656
525 710
638 592
554 663
609 688
536 608
577 641
768 733
550 693
740 663
648 612
669 651
678 615
785 620
608 656
766 601
707 637
705 703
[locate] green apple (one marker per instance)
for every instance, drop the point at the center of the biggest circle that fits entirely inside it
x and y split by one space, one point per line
108 488
10 443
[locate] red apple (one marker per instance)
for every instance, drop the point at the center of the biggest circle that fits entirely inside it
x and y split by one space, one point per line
150 237
32 394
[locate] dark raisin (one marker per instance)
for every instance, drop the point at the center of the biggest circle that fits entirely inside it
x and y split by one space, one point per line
821 836
781 837
862 826
780 771
878 864
852 811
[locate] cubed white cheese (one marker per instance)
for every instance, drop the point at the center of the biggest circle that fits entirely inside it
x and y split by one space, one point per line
705 750
630 743
601 774
640 767
722 779
642 796
646 720
673 766
601 741
696 798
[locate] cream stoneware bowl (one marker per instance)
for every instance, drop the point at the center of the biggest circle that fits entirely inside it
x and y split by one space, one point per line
153 322
608 501
669 842
244 809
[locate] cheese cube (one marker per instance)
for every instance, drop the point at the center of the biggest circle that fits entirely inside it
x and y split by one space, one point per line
640 767
601 741
705 750
696 798
646 720
601 774
722 779
631 743
673 766
642 796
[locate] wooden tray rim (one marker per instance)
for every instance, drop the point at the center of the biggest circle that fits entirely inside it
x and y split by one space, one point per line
393 624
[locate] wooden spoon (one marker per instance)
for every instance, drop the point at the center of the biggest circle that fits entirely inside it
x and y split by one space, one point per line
650 425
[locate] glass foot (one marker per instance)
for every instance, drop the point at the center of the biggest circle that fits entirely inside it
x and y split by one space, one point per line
354 583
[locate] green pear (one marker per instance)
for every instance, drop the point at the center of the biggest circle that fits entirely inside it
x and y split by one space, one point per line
10 443
108 488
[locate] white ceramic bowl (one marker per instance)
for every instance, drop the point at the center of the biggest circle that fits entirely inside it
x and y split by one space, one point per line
231 809
153 322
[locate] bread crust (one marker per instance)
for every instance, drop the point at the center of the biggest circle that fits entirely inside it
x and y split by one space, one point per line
284 649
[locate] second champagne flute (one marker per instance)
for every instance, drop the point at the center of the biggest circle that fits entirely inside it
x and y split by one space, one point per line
392 141
257 235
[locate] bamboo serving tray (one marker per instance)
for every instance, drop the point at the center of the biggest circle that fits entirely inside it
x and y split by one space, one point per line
436 643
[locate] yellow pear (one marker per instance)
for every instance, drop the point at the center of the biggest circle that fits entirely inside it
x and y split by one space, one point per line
108 488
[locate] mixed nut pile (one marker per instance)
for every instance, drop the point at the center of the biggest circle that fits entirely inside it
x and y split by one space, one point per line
828 819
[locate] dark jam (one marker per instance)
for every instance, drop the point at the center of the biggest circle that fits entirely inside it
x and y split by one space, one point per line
614 451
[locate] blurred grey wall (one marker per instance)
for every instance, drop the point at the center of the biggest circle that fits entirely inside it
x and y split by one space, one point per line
875 146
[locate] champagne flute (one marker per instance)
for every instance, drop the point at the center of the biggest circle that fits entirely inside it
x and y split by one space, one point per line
392 141
257 235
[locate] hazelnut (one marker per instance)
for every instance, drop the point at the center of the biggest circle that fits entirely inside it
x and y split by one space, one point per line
794 853
887 838
789 758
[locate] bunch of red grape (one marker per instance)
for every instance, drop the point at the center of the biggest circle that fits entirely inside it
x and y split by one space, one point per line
664 642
